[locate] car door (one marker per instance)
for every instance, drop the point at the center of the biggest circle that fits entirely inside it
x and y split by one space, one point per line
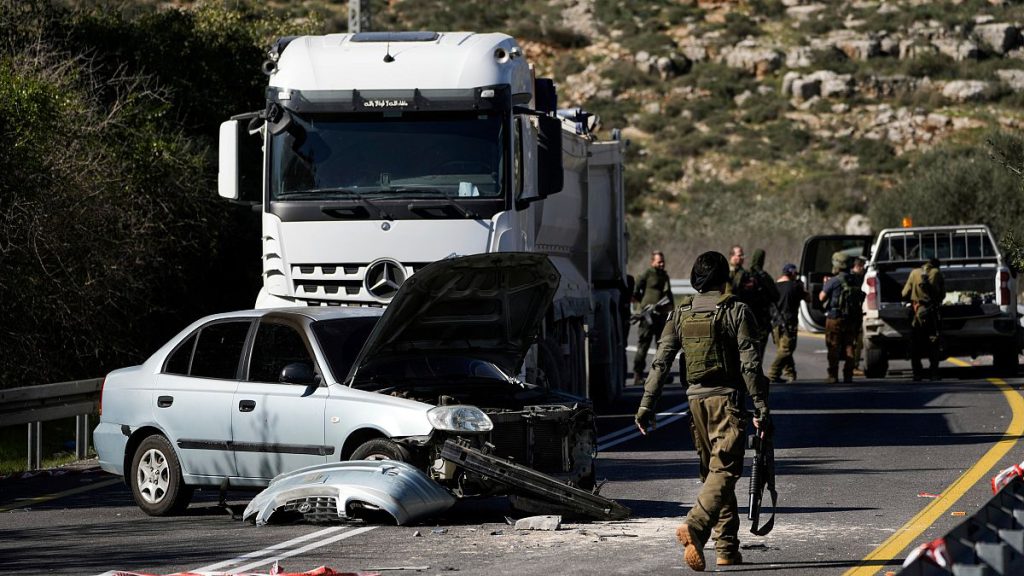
816 267
196 390
278 426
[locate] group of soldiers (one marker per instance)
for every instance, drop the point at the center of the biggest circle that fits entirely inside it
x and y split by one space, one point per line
721 332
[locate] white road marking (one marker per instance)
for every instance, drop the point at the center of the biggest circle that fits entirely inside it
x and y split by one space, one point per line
302 550
283 545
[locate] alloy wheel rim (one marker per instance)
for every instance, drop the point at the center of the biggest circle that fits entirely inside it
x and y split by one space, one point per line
153 476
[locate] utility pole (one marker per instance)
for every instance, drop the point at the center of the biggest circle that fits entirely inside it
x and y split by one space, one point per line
358 16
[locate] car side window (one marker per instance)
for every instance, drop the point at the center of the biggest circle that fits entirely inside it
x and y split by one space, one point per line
276 346
179 360
219 350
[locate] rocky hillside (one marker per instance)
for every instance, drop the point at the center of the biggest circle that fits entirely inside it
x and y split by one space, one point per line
762 122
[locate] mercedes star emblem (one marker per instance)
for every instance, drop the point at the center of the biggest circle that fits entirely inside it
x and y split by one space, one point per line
383 279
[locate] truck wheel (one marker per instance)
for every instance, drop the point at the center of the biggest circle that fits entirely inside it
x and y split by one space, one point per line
876 362
1005 360
156 480
380 449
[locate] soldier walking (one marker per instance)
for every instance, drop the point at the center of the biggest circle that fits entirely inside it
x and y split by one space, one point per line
784 323
717 336
652 287
843 301
857 277
925 290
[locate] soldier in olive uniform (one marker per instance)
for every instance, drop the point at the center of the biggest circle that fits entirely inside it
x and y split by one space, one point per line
651 287
842 299
791 294
736 270
925 290
717 336
757 289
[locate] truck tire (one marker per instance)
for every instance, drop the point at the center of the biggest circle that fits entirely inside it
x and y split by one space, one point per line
876 362
1005 359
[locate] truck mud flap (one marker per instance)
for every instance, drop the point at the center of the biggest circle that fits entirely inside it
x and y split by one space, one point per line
532 485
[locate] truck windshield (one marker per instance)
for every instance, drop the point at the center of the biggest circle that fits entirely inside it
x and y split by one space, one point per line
330 157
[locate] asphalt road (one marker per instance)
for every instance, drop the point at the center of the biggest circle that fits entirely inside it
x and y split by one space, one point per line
856 463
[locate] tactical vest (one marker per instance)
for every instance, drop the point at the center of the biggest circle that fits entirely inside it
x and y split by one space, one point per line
703 342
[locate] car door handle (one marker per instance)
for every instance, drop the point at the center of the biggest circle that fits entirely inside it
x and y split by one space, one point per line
164 401
246 405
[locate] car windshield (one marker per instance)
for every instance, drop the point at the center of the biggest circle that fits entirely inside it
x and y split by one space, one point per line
426 371
341 340
346 156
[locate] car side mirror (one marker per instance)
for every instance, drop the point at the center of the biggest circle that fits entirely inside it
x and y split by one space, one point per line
298 373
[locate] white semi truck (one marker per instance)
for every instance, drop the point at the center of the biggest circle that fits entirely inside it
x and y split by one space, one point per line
380 152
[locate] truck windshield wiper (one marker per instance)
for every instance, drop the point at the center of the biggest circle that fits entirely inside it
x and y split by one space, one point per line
326 192
432 193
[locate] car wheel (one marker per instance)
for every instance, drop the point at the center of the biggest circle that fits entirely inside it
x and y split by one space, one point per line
380 449
876 362
156 480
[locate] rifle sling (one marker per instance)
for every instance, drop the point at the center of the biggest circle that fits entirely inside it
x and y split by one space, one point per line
764 530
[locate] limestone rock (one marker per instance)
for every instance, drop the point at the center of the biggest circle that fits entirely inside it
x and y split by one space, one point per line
956 49
999 38
1013 78
967 90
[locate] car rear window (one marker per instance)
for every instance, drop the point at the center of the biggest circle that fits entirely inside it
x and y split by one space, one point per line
179 360
219 350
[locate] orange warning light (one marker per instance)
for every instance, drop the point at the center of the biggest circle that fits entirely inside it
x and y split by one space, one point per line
908 221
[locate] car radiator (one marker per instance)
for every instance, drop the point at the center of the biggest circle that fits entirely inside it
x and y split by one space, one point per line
536 440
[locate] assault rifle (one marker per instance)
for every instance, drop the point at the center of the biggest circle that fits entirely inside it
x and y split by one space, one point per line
762 475
645 317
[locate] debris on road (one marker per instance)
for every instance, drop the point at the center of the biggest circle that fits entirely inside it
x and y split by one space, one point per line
958 513
341 490
439 531
274 571
539 523
396 568
927 495
529 487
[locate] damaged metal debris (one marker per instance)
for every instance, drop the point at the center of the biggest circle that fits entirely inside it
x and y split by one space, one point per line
343 490
361 489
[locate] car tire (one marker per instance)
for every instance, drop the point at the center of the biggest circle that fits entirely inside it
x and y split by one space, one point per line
380 449
156 480
876 362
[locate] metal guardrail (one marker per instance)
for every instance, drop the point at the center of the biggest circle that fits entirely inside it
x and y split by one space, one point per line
33 405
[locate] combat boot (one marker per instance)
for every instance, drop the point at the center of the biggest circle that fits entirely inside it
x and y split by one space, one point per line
693 552
731 559
639 380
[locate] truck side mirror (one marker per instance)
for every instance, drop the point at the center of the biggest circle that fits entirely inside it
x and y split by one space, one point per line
525 163
239 162
549 156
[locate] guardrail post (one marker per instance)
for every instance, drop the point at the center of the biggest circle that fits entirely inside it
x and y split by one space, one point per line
81 436
35 445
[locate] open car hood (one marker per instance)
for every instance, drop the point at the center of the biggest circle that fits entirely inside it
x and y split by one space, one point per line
485 306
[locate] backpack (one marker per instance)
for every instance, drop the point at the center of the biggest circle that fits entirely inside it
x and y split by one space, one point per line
848 300
702 343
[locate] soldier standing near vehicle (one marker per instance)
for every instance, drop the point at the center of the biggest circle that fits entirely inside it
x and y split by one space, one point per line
857 277
925 290
757 290
784 330
717 336
651 288
736 270
842 302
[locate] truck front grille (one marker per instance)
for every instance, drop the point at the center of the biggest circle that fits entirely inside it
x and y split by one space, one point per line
337 283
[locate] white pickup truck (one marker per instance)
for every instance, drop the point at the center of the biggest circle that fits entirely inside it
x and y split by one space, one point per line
979 313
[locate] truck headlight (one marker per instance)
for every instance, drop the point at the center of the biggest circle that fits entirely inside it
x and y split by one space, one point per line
459 419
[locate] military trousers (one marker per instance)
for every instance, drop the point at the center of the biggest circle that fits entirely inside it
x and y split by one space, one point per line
924 342
840 335
785 345
719 431
648 334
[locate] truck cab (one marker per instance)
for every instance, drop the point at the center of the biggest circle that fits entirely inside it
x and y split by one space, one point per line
381 152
